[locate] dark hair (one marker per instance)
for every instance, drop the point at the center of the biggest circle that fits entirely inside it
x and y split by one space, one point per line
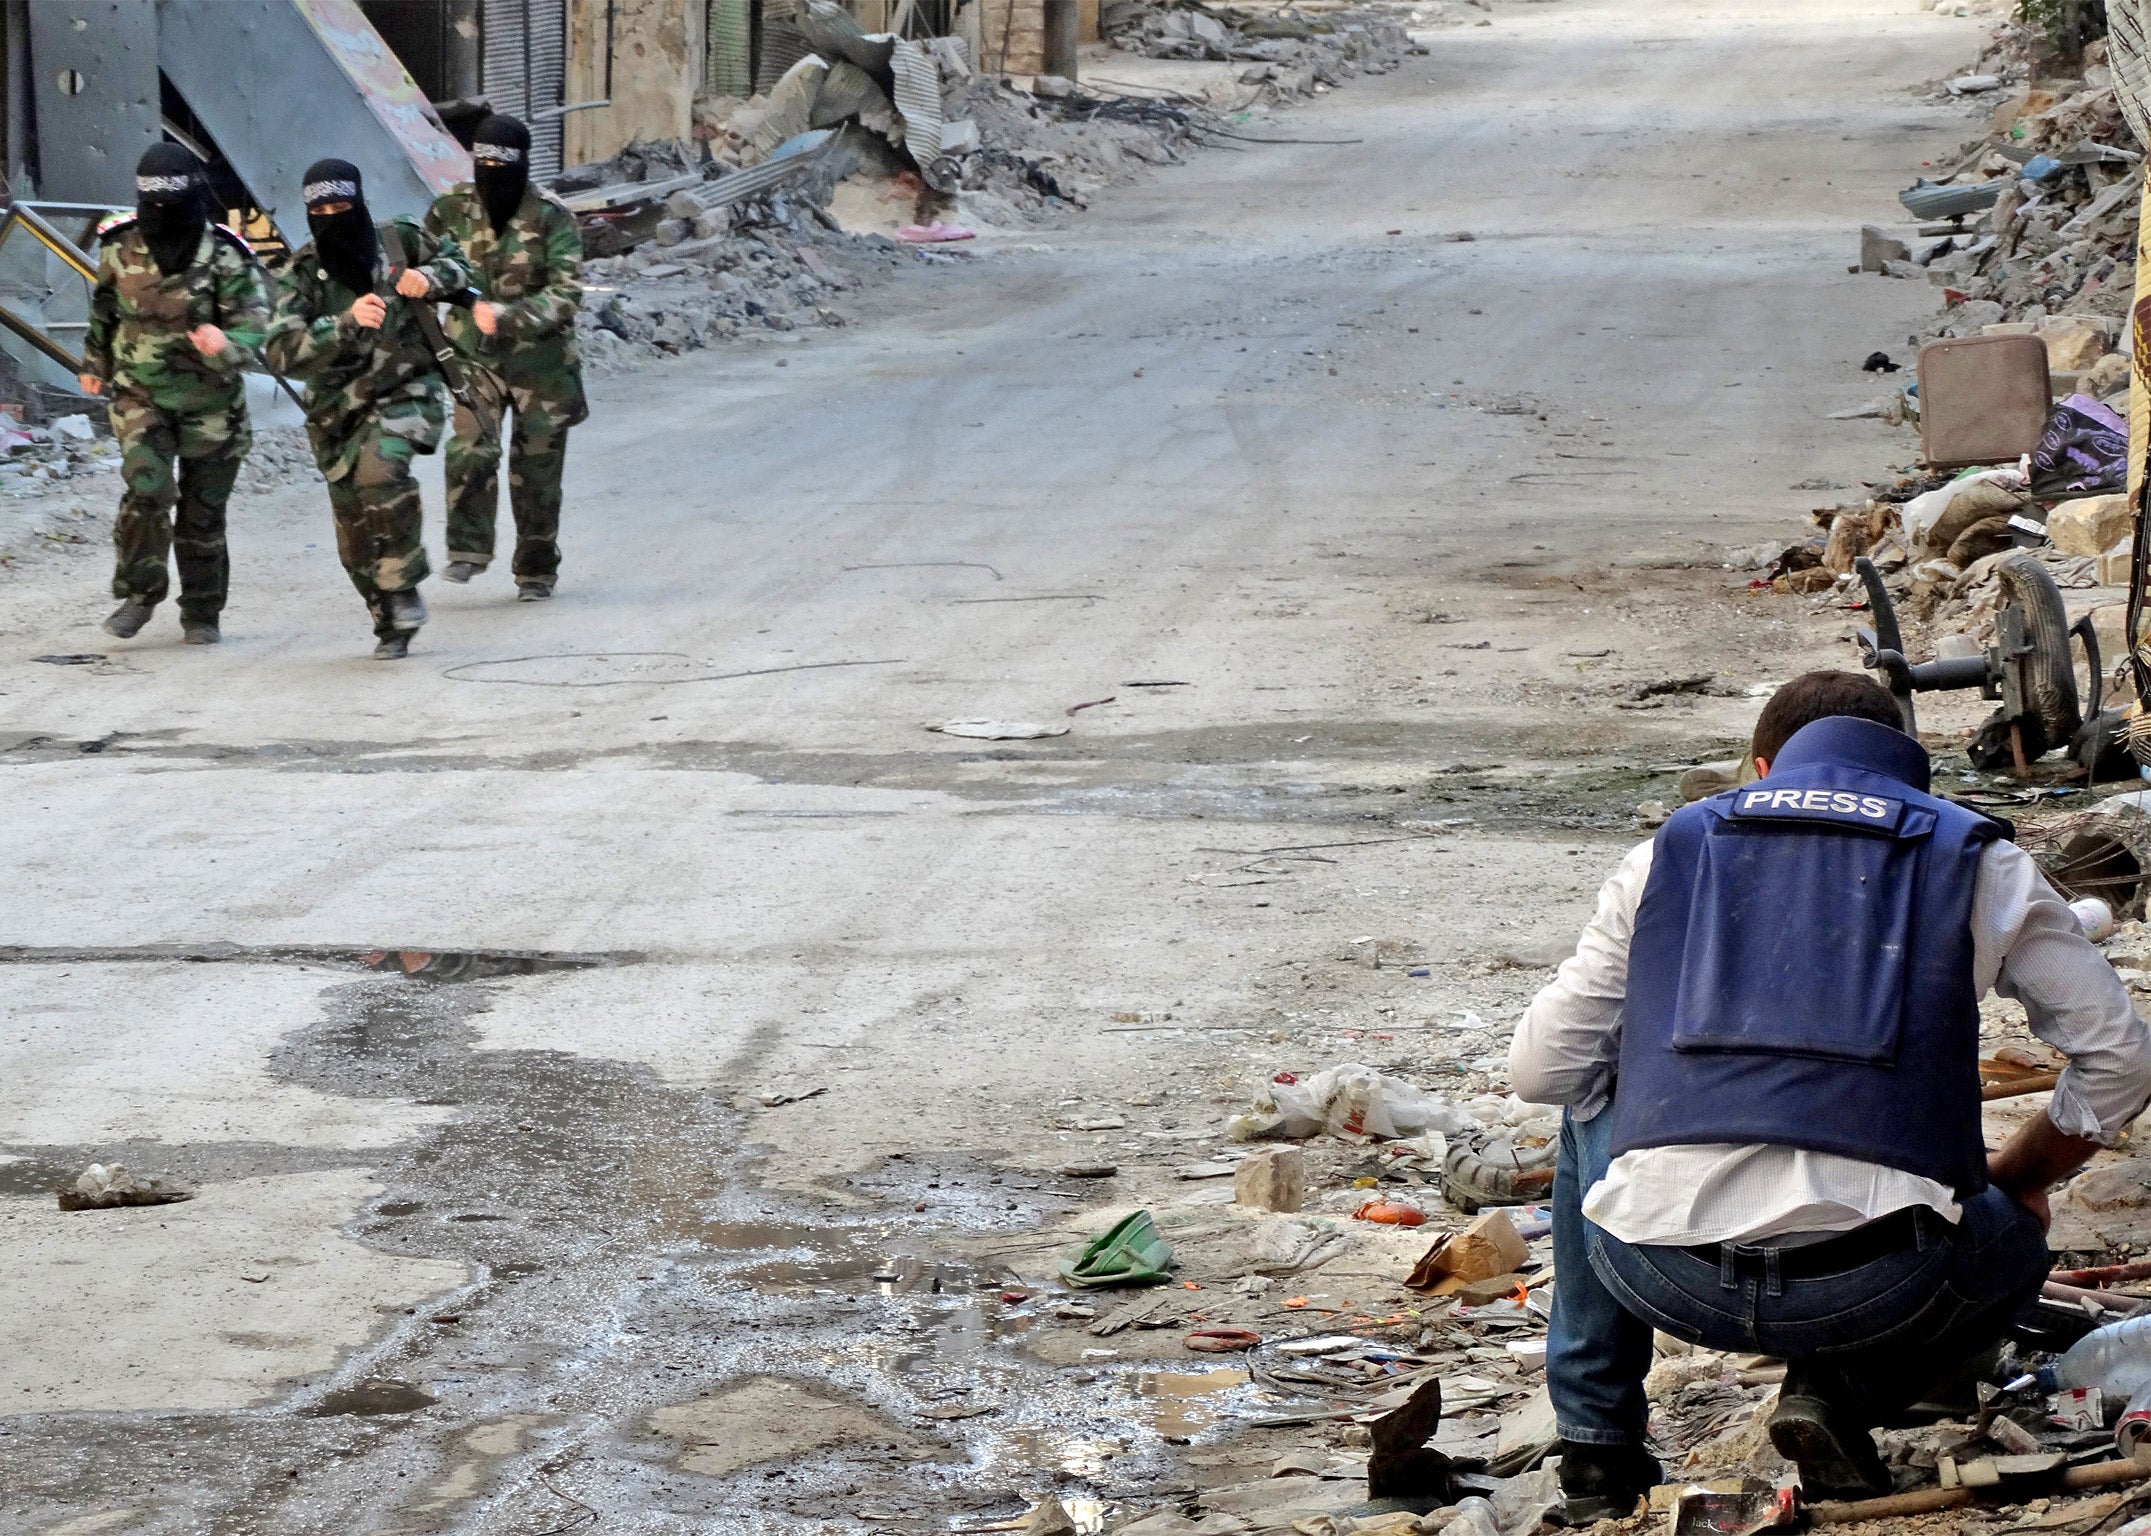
1816 696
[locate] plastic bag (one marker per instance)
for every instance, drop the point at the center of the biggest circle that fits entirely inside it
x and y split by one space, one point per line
1348 1100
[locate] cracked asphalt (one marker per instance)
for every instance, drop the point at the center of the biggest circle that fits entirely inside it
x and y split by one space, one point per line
625 1062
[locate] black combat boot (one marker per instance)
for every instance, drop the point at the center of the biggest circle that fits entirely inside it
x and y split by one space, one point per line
1834 1452
392 648
460 571
533 591
200 632
128 618
1604 1482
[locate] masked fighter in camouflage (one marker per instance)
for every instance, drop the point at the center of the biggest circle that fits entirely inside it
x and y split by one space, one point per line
518 340
347 323
180 308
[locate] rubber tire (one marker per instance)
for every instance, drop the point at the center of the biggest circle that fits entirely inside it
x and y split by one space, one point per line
2052 716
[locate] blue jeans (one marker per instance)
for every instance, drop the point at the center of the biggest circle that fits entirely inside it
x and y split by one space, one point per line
1869 1338
1596 1353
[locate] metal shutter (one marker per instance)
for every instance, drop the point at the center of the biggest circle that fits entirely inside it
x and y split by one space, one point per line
526 68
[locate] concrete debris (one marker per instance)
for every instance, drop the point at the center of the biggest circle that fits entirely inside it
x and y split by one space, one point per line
1302 49
1271 1179
102 1189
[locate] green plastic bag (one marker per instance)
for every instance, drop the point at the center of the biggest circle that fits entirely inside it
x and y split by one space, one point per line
1131 1254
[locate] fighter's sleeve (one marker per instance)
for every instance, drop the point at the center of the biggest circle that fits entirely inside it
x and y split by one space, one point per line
104 318
436 254
300 341
551 309
242 305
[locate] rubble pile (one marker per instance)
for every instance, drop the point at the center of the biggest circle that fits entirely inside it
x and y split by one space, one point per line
1040 154
2045 199
1296 50
664 301
695 244
34 459
281 456
2029 229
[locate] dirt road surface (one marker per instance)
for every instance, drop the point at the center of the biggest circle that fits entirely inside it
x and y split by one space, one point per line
456 987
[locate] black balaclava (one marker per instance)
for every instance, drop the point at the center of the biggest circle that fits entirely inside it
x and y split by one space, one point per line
345 242
170 207
500 155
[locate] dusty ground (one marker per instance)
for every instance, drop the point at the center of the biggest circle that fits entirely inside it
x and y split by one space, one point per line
1401 519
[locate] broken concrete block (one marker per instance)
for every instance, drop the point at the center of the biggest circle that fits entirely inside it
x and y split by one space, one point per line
1272 1179
2072 345
1053 87
102 1189
1494 1288
670 231
2090 525
2108 374
2114 564
1877 248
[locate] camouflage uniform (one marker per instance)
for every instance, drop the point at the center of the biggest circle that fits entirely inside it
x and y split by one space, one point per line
532 274
169 402
374 399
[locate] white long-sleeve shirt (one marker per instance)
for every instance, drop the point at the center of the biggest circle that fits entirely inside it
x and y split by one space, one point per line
2025 944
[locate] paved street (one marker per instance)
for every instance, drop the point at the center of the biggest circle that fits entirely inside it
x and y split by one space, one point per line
1360 530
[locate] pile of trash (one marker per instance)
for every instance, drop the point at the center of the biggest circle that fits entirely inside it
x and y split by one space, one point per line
1296 50
1395 1376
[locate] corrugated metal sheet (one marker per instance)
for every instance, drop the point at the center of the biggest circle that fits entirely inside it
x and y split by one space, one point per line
525 70
782 45
770 174
728 54
835 33
918 100
848 91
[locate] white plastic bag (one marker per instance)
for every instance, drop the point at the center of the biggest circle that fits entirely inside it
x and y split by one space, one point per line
1348 1100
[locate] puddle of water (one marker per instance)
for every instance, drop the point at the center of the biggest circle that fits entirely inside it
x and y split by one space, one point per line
371 1398
1089 1515
1180 1404
1050 1451
771 1254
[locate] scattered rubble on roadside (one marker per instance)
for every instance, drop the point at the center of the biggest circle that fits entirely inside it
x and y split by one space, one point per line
1294 51
2028 229
102 1188
1330 1323
872 154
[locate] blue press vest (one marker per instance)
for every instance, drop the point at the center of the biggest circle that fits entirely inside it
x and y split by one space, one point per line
1801 969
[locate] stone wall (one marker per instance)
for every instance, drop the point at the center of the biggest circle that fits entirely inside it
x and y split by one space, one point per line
1012 36
656 56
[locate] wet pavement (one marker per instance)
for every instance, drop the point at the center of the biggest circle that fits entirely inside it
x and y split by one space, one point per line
623 1058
